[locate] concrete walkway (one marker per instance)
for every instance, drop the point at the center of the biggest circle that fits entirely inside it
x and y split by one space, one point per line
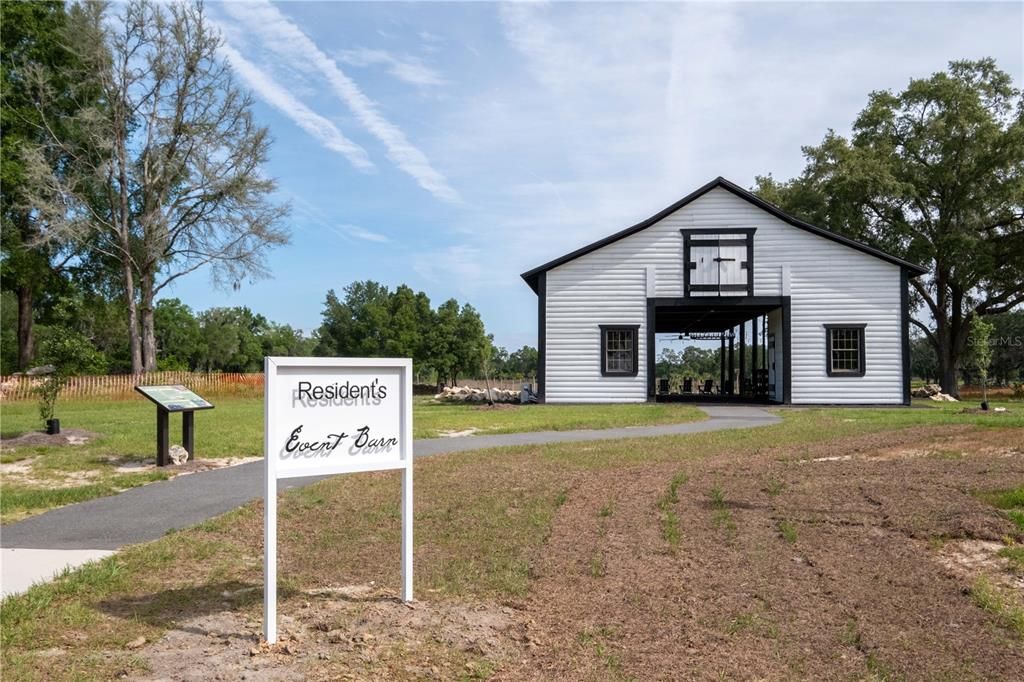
151 511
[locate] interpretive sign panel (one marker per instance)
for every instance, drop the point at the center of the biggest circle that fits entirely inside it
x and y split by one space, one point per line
174 398
325 416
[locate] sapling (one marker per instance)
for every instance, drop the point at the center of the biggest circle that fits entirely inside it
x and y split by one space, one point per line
49 390
981 350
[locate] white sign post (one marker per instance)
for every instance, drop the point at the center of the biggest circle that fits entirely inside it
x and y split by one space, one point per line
326 416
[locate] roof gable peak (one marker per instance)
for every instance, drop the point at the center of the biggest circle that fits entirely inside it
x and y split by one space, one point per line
531 276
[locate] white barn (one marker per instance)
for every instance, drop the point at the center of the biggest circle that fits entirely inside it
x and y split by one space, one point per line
802 315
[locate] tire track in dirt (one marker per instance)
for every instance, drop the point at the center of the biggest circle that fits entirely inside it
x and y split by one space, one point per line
858 591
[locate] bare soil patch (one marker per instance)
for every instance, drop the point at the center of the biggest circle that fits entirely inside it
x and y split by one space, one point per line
458 434
133 466
358 632
36 438
857 591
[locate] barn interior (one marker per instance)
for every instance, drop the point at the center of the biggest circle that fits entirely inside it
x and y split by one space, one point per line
740 328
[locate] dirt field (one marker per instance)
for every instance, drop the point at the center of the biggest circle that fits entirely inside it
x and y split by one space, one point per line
859 559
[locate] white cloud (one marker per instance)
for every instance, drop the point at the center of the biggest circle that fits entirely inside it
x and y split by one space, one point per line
593 135
285 39
460 266
411 70
279 97
357 232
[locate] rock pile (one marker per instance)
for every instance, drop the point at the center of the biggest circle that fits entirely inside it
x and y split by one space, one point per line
933 392
464 394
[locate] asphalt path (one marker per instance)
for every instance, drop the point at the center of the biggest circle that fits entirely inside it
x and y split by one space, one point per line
151 511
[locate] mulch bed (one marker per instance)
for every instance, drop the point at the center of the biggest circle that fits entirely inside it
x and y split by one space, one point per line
36 438
978 410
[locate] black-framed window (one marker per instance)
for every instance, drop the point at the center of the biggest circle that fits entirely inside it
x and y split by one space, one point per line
619 350
844 350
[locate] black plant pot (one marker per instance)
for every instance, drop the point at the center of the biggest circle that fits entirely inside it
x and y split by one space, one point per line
52 427
984 405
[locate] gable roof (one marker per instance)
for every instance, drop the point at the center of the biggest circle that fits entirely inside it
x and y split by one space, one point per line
531 276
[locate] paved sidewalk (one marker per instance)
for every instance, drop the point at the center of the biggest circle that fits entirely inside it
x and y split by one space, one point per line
22 568
151 511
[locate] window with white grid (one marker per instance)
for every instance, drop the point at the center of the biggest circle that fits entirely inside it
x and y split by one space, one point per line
845 350
619 350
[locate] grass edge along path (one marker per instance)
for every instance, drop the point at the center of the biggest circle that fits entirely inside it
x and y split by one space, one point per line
56 476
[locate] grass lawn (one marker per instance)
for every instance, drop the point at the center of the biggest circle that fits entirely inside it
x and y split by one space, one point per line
583 560
37 478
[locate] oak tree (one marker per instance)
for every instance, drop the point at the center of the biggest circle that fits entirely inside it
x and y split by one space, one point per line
934 174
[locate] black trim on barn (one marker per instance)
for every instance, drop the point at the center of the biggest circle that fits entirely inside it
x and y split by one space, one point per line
787 351
531 276
718 242
905 331
730 301
652 311
861 354
605 328
688 265
542 333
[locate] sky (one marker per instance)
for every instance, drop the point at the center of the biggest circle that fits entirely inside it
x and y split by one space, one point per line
452 146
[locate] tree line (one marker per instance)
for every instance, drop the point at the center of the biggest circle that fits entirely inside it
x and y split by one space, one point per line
446 343
84 332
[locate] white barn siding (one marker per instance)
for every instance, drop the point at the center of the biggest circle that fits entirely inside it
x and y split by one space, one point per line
580 298
829 283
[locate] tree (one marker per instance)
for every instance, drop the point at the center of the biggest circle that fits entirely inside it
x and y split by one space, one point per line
1008 347
934 174
981 353
168 178
470 343
221 338
443 342
70 353
358 325
282 339
33 54
403 328
923 361
8 333
523 362
179 337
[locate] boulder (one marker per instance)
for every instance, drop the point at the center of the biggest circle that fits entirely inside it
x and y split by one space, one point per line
177 454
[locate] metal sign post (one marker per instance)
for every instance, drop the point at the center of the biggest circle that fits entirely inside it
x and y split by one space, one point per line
325 416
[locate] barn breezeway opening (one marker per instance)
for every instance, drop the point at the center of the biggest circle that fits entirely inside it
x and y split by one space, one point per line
748 337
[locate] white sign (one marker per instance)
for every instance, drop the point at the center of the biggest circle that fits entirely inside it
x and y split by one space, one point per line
326 416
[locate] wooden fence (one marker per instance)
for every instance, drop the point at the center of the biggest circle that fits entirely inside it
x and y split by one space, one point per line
120 386
123 385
